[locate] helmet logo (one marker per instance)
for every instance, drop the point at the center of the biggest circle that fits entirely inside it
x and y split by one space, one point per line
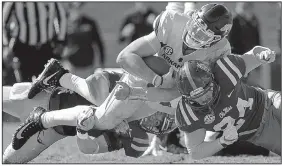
203 67
168 50
196 91
226 28
209 118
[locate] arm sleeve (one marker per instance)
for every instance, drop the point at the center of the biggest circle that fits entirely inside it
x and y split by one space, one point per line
176 6
163 25
8 9
185 118
62 21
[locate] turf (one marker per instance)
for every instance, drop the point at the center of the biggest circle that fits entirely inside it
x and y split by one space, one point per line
66 151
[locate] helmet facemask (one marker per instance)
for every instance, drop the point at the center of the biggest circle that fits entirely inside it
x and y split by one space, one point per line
204 97
197 35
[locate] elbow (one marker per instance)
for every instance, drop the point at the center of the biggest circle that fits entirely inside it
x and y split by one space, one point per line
121 59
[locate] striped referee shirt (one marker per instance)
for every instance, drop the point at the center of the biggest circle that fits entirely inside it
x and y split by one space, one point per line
36 22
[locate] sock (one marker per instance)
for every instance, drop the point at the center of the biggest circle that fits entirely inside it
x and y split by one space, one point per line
66 117
78 85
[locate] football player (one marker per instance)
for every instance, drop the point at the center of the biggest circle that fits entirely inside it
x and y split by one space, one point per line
16 103
233 68
237 110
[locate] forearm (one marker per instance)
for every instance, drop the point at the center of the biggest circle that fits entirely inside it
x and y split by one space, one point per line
130 58
205 149
251 59
134 64
154 94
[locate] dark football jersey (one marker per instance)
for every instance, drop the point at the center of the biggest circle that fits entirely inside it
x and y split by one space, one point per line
239 104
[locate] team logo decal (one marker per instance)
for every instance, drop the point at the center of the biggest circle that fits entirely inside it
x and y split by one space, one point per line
209 118
226 27
168 50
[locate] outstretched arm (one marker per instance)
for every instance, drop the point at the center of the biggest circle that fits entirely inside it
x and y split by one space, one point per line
152 94
257 56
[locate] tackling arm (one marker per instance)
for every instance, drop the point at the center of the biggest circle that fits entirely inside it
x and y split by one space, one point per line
152 94
257 56
197 147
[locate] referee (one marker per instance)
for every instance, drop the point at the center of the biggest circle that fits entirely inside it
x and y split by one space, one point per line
38 26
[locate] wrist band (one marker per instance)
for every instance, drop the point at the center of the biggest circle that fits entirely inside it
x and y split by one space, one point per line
154 81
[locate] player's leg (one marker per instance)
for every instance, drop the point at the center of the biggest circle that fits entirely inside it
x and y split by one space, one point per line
16 103
32 148
115 111
95 88
269 132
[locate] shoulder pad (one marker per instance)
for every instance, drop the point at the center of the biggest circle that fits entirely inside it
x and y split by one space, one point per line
231 69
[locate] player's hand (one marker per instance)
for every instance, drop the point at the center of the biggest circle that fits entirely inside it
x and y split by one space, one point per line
168 81
264 54
229 136
154 148
86 119
123 91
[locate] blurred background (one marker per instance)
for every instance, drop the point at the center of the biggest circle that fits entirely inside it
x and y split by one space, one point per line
109 18
97 31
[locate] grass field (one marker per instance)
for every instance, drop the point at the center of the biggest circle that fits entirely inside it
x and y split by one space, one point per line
66 151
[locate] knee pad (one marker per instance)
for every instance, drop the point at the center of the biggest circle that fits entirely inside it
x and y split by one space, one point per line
88 146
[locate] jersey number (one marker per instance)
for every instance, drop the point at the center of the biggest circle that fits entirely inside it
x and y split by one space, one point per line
228 121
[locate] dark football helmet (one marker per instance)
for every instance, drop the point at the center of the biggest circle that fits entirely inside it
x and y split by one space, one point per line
195 80
207 26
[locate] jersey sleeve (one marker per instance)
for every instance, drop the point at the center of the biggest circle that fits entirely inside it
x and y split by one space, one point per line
163 25
186 119
138 143
175 6
228 71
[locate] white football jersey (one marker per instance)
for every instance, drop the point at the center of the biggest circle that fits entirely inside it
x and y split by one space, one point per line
169 28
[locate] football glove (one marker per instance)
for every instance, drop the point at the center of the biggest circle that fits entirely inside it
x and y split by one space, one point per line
264 55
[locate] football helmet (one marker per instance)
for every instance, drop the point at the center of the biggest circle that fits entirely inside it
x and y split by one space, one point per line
158 123
194 80
207 26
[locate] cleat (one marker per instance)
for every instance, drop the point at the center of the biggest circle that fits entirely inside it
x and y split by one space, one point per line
31 126
48 79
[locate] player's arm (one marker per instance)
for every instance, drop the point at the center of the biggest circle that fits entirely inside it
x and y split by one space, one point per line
197 147
257 56
161 94
130 58
152 94
175 6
